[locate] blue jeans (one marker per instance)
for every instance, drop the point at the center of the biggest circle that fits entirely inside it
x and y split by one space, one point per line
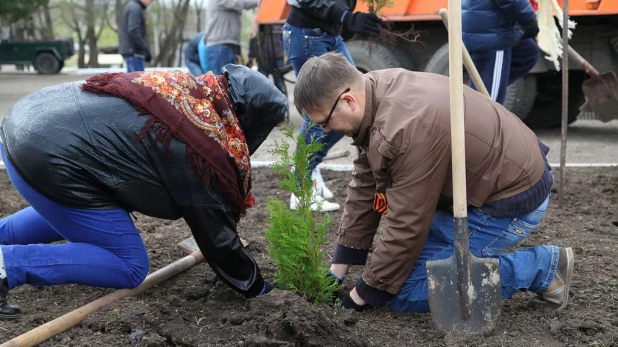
498 69
301 44
219 56
194 68
528 269
104 248
134 63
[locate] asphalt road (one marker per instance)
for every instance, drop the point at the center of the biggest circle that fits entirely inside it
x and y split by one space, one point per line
587 141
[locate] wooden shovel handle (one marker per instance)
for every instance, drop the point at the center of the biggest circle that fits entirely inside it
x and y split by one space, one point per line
583 63
458 147
71 319
467 60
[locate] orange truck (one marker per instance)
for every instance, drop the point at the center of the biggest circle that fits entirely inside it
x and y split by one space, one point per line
536 98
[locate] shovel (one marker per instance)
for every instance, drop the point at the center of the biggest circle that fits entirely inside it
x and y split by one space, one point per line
464 291
189 246
600 90
468 63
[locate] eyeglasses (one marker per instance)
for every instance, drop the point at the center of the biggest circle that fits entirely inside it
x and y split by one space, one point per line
324 123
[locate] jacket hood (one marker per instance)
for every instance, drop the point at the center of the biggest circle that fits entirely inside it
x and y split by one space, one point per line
259 105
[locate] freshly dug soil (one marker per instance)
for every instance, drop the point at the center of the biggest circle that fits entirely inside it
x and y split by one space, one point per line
189 311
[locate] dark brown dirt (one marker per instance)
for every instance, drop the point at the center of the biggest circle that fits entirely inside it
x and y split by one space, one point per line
187 311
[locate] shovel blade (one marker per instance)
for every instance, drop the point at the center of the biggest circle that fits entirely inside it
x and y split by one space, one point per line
602 95
484 295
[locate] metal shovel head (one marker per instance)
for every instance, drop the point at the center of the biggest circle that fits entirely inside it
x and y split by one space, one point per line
602 94
484 295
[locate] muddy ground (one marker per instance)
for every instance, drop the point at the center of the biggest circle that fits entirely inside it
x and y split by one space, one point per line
188 311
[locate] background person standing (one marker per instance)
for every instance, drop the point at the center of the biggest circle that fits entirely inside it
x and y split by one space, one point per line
133 44
500 37
313 28
222 34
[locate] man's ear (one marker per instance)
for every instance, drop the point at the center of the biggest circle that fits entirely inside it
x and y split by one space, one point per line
350 100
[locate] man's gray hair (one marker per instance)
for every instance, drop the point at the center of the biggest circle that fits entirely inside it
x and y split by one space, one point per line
321 79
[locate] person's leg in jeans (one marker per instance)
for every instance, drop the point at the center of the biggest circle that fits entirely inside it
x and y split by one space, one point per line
194 68
26 227
523 58
528 269
301 44
104 248
129 62
494 68
219 56
139 63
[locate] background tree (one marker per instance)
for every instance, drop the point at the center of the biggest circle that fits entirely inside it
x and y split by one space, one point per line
12 11
170 37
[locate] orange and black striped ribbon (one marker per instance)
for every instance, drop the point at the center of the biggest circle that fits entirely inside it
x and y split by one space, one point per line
379 203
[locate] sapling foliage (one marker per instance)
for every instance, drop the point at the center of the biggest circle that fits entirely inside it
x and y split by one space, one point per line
297 237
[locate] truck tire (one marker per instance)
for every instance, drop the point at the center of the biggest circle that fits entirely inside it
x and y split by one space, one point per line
519 95
46 63
370 56
547 109
404 58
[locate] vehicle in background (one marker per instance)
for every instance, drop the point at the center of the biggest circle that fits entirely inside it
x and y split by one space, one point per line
47 57
535 98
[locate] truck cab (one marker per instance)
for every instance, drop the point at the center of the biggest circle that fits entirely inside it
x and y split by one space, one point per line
47 57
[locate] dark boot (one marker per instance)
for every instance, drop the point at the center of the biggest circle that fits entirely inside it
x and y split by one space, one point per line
7 311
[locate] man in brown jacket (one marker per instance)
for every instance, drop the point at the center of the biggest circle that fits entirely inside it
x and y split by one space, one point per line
400 123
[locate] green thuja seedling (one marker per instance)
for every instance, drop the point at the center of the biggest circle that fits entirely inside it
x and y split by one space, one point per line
296 237
376 5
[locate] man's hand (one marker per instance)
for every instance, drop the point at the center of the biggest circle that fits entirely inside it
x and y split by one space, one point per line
367 24
531 29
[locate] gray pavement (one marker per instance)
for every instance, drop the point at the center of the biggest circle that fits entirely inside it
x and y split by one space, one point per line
588 141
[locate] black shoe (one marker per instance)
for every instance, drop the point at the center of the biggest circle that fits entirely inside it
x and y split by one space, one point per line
7 311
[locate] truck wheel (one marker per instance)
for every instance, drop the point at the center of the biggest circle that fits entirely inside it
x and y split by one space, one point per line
519 95
439 64
404 58
46 63
370 56
547 109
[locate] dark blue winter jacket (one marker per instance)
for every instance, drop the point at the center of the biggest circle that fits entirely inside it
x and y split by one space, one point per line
493 25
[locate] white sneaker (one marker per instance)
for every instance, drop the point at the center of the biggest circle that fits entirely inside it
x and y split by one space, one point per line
318 184
325 206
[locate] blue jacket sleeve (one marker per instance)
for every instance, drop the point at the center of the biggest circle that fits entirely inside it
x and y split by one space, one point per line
516 10
215 234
